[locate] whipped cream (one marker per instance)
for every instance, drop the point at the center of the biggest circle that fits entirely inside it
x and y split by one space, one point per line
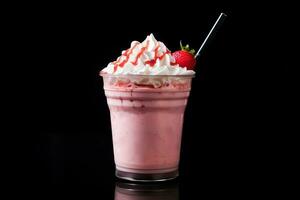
150 57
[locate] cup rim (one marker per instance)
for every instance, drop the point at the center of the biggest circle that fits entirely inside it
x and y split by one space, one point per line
105 74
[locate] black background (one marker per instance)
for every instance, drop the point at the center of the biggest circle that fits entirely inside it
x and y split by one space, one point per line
239 98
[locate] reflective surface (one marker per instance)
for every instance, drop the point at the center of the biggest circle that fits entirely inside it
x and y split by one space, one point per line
154 191
211 164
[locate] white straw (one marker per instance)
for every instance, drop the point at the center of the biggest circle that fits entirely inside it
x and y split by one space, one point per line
212 30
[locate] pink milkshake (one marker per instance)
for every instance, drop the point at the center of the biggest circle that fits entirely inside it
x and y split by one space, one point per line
147 106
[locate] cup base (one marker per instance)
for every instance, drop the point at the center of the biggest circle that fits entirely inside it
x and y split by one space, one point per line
155 177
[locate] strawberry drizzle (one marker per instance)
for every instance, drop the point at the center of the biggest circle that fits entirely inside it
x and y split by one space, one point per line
127 54
156 57
173 63
129 51
140 53
115 63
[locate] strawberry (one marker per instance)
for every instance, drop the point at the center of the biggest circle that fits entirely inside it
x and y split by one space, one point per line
185 57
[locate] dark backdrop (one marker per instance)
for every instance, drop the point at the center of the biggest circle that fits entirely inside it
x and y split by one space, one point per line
238 96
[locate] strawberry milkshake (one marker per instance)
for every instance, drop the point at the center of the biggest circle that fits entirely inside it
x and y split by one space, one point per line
147 92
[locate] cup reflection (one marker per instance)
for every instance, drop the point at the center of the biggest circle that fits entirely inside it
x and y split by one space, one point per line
153 191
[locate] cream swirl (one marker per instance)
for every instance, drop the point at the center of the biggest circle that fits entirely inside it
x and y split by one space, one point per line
150 57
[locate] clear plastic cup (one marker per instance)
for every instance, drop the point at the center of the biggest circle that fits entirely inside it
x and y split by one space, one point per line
147 114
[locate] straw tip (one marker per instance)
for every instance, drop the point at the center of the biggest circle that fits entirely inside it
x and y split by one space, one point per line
224 14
